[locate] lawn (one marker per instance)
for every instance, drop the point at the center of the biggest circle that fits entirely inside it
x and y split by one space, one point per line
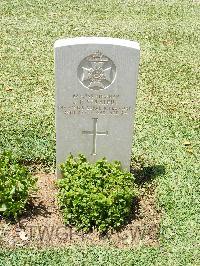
166 126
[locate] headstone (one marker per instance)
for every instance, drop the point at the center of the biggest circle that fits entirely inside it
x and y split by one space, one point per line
96 81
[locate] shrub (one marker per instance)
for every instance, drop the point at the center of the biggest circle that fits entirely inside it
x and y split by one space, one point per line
15 185
96 195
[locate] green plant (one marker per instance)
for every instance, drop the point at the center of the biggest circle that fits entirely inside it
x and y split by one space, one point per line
167 109
96 195
15 185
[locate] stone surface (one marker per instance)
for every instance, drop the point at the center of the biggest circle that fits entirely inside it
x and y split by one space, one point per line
96 81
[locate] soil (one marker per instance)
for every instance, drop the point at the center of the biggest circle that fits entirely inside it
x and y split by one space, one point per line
42 226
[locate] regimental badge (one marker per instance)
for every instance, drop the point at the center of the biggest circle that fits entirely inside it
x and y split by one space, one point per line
96 71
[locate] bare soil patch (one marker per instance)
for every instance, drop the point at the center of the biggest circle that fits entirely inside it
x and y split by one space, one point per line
42 225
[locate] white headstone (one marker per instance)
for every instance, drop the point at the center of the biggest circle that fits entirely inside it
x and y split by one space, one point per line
96 80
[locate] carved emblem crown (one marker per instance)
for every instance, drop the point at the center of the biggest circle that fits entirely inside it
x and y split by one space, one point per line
97 57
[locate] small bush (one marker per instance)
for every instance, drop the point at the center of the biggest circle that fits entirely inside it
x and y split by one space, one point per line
96 195
15 185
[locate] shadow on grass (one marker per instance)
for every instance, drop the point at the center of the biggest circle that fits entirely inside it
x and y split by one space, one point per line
144 173
147 174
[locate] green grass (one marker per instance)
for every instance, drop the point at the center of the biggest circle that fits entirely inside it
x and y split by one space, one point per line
78 256
166 117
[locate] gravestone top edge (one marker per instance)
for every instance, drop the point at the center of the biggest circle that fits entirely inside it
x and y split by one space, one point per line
96 40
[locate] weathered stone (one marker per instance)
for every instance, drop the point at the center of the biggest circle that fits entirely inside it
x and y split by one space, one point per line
96 81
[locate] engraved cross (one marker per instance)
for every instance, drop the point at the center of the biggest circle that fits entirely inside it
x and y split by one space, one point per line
95 133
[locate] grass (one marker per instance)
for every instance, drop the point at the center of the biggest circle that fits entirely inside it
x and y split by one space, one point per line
78 256
166 126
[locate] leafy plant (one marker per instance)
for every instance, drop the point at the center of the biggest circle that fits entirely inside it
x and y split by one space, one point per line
96 195
15 185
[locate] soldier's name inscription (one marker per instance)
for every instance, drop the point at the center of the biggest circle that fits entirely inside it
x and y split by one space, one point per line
96 105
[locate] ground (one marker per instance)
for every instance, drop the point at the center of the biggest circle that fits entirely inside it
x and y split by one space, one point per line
166 122
42 226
